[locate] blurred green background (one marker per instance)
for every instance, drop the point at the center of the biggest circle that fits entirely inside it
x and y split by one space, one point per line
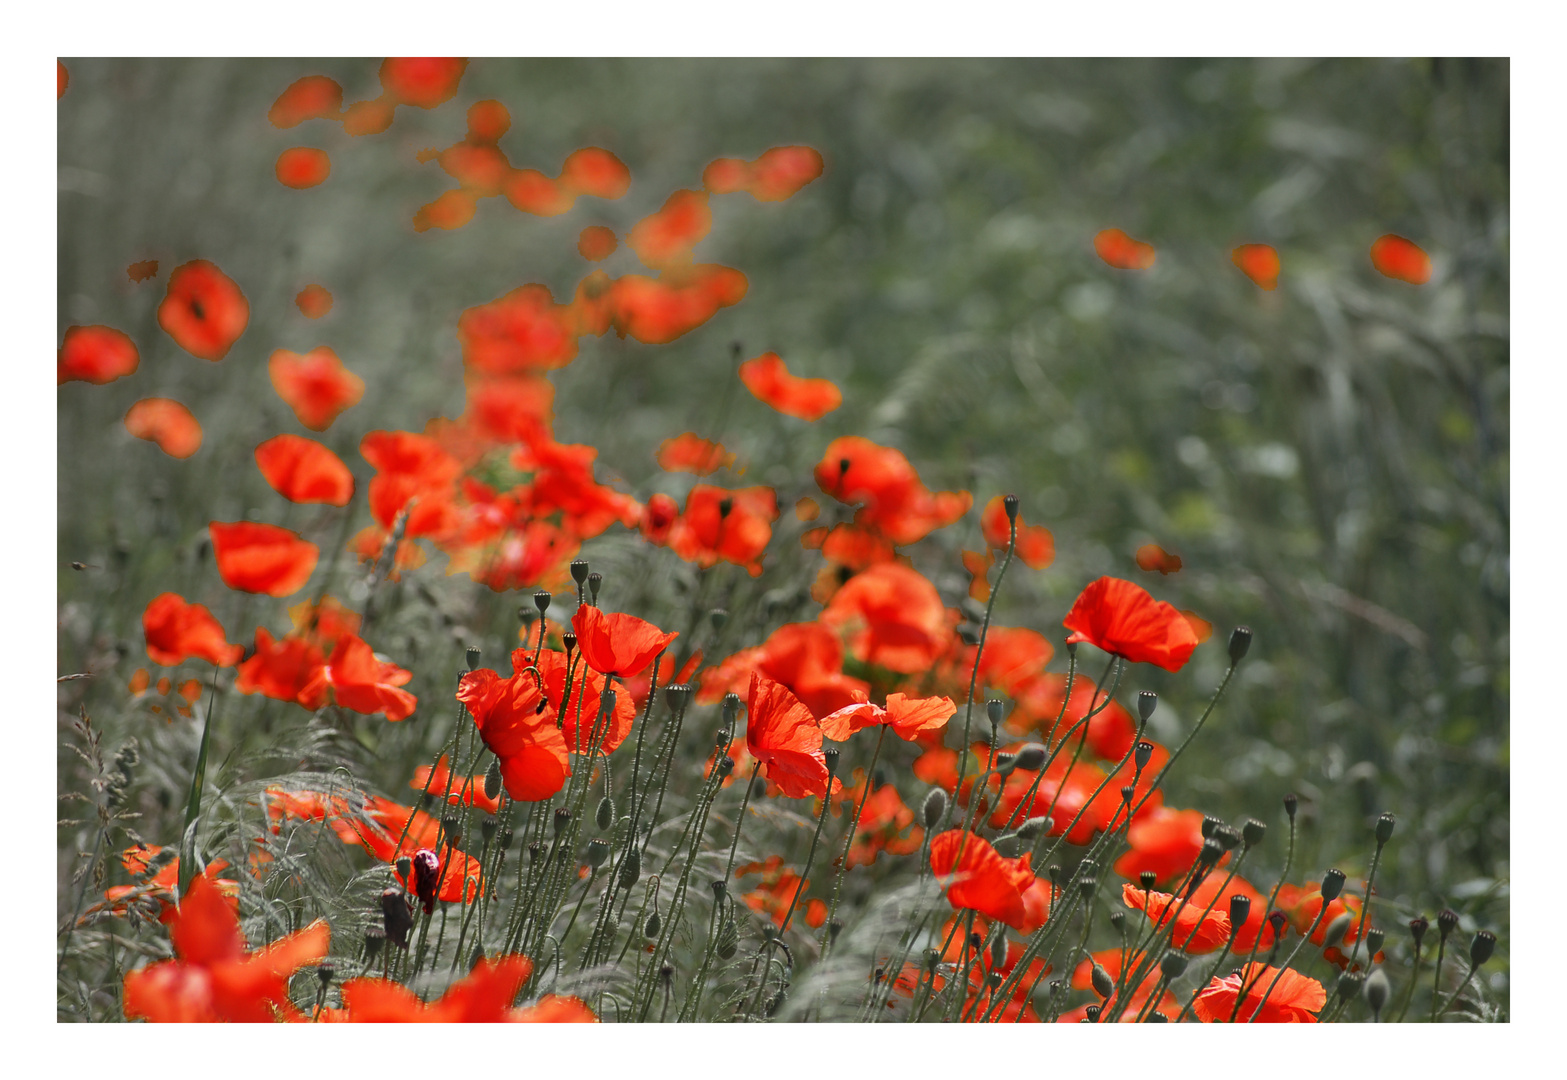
1330 460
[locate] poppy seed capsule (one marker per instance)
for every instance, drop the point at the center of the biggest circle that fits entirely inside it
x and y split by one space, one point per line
1349 984
1240 641
533 852
451 830
1332 885
1376 991
1208 825
375 937
1147 702
1252 832
1087 887
579 570
595 583
1385 825
1091 1014
1147 879
562 818
1290 802
1127 792
726 765
541 600
325 973
1418 927
651 928
993 711
1334 934
492 780
718 617
676 695
1158 1018
720 889
405 866
1118 920
630 867
473 656
1374 939
605 817
931 958
1227 837
1104 985
968 635
1276 921
569 639
1481 948
1031 757
1240 911
1211 852
1009 504
1005 763
1142 753
731 709
1173 966
935 806
1446 921
598 851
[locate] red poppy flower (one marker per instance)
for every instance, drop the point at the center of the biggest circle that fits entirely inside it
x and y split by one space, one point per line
773 177
203 311
313 302
303 167
410 466
782 733
216 978
1202 629
316 385
141 271
1400 259
597 243
1120 618
279 668
892 617
1165 842
360 682
63 77
693 454
617 644
894 501
1292 1001
309 98
159 884
176 631
886 823
725 526
587 693
983 880
1035 544
1153 557
483 996
255 557
554 1009
523 331
805 657
303 471
775 894
909 717
1111 731
656 312
167 423
595 171
1194 932
666 237
324 622
1122 252
518 725
96 354
422 81
1111 960
1258 262
377 829
1014 660
1256 930
1302 905
369 117
769 380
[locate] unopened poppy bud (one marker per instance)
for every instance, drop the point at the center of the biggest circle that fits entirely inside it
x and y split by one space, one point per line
487 828
1009 504
653 925
935 806
998 950
375 937
1349 984
1104 985
1334 934
1290 802
1146 879
1446 921
427 875
1127 791
1173 965
405 866
1087 887
595 583
1142 753
1332 885
579 570
1091 1014
396 917
630 867
1240 911
569 639
1032 826
1147 702
718 617
1031 757
993 711
492 780
1252 832
562 819
731 709
676 695
605 817
1209 824
1088 867
1227 837
1481 948
726 765
1376 991
1385 825
451 830
1240 641
720 888
598 851
931 958
1006 846
1418 927
1211 852
541 600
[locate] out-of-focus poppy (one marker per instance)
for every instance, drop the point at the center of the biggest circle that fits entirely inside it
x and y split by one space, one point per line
805 657
167 423
1122 252
158 869
177 630
978 565
883 821
1194 932
422 81
450 210
203 310
315 385
360 682
1164 843
96 354
1202 629
1111 960
617 644
303 471
719 525
1121 618
377 829
1153 557
253 556
1400 259
1111 730
595 171
657 311
1260 262
483 996
63 77
1256 930
215 978
769 380
522 331
518 725
909 717
141 271
1014 659
554 1009
1035 544
693 454
309 98
597 243
776 892
410 466
892 617
807 508
1302 906
666 237
849 546
893 500
773 177
303 167
369 544
313 302
782 733
369 117
279 668
580 711
1292 1001
984 881
323 621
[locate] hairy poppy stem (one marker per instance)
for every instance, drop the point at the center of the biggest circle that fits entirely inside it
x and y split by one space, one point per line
1289 858
848 842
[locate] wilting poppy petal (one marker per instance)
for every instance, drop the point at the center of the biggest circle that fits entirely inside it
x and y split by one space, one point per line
1153 557
1259 262
176 631
1400 259
1122 252
303 471
693 454
303 167
422 81
256 557
666 237
95 354
166 422
597 242
203 311
141 271
306 99
1120 618
313 301
316 385
769 380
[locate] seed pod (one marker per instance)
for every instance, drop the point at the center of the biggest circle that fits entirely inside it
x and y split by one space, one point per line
1091 1014
1118 920
1210 823
831 757
1374 939
1276 921
1252 832
676 696
405 866
726 765
1227 837
1418 927
720 889
1142 753
718 617
1031 757
1146 879
653 925
1009 504
1290 802
630 867
1332 885
492 780
1211 852
541 600
579 570
473 656
1147 702
595 583
1173 965
1385 825
1334 934
1446 921
487 828
375 937
1087 887
1376 991
1481 947
1240 911
935 807
931 958
1240 642
598 851
605 816
569 639
562 819
1005 763
451 830
993 712
1104 985
1349 984
1158 1018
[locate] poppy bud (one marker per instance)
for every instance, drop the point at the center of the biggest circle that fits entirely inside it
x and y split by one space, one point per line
1091 1014
1349 984
541 600
1142 753
487 828
579 570
1447 921
405 866
562 818
832 761
492 780
1031 827
1385 828
598 851
1147 879
993 710
427 874
605 817
935 806
1227 837
1376 991
1009 504
1332 885
1104 985
1209 824
396 917
726 765
1127 792
1147 702
1240 641
931 958
1240 911
1118 920
1276 920
375 937
651 928
720 889
666 972
533 852
1157 1018
1418 927
1290 802
1210 853
731 709
1173 965
325 973
451 830
676 695
595 583
630 867
718 617
1087 887
998 950
1031 757
1252 832
1334 934
569 639
1006 846
1481 947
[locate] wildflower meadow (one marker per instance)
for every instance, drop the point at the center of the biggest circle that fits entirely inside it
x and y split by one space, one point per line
877 542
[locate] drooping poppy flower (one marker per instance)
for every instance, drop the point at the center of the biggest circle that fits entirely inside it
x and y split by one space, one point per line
279 669
303 471
894 501
518 725
1121 618
1122 252
773 177
1293 1001
781 733
253 556
203 310
770 382
167 423
215 978
1035 544
892 617
981 879
909 717
360 682
1153 557
141 271
617 644
483 996
725 526
302 167
309 98
177 631
693 454
666 237
1260 262
96 354
315 385
1194 932
1400 259
313 302
597 243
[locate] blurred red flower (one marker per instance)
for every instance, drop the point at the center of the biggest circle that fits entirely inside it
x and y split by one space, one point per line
693 454
1165 842
167 423
892 617
769 380
303 471
1001 889
805 657
203 310
422 81
483 996
142 271
1194 932
1153 557
596 243
1122 252
177 631
1035 544
253 556
1260 262
773 177
279 668
95 354
893 500
303 167
315 385
307 99
719 525
666 237
1400 259
1120 618
313 302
